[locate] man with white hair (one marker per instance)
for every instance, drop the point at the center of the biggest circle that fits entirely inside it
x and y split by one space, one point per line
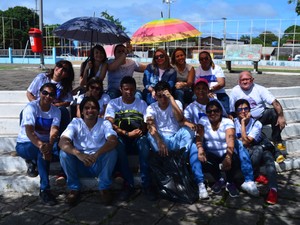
258 96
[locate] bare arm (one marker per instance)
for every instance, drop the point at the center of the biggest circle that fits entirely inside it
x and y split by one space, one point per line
30 96
230 137
199 144
221 83
117 63
247 140
162 148
176 110
189 82
103 71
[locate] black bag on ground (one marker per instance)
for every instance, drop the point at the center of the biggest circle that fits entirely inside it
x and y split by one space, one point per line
129 119
173 177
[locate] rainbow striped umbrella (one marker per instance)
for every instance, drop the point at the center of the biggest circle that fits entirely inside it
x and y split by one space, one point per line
164 30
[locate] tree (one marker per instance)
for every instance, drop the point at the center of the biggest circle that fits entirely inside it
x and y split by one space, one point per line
297 8
17 22
110 18
267 38
291 33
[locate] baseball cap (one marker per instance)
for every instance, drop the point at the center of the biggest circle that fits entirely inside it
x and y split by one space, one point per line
202 80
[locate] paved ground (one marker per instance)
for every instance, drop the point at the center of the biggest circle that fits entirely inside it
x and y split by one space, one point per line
18 77
219 210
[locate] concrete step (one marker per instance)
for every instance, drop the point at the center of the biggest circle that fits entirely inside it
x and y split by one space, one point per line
292 130
292 115
7 143
290 102
280 92
18 182
9 126
13 96
11 110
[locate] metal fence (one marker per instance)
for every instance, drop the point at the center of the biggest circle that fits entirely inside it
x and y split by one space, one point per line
223 29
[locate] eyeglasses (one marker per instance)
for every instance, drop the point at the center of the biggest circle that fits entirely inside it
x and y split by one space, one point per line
95 88
51 94
203 59
161 56
242 109
246 79
209 111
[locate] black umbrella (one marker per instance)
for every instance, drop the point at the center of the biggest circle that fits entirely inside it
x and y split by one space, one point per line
91 29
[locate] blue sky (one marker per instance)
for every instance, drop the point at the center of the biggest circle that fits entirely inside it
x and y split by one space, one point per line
134 13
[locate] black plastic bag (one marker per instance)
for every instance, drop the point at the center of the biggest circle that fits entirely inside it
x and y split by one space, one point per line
173 177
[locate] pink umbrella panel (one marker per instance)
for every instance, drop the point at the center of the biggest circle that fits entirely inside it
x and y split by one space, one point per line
164 30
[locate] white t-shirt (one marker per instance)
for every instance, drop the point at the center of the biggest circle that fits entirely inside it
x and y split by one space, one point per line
42 121
253 129
117 105
257 96
211 76
114 77
194 111
215 141
88 140
165 120
40 80
102 101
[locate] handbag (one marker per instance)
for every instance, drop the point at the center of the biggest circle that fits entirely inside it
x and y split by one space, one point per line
173 177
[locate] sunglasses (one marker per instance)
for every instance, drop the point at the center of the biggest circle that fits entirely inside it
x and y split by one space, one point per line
60 65
209 111
246 109
204 59
95 88
51 94
161 56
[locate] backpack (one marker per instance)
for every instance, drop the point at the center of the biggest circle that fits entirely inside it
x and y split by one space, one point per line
129 120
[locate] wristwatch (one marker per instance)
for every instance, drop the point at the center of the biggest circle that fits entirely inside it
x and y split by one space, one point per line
126 133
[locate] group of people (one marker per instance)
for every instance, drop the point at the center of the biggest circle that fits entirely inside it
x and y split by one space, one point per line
180 107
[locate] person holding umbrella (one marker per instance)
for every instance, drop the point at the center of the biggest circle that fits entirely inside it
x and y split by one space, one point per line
94 66
120 67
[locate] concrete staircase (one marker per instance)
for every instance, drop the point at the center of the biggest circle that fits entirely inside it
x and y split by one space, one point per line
13 168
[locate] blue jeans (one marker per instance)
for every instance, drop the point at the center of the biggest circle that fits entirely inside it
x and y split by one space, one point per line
246 165
224 99
184 95
29 151
183 138
102 169
196 164
147 96
130 146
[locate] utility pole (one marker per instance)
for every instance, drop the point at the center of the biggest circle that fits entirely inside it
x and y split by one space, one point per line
224 35
169 16
42 62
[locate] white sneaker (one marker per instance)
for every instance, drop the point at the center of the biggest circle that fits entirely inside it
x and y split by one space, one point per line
203 194
250 188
